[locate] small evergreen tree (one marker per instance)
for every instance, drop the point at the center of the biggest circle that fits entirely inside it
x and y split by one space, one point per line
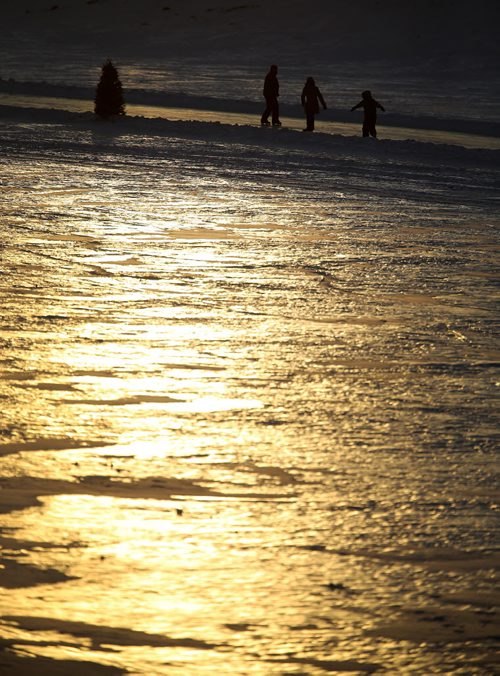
109 95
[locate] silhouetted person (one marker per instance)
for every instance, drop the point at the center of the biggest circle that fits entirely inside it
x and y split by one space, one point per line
311 98
370 106
271 93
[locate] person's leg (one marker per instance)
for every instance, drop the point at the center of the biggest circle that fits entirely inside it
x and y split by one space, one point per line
275 112
310 121
265 115
369 127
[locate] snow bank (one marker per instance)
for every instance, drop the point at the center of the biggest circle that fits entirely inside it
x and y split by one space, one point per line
182 100
282 140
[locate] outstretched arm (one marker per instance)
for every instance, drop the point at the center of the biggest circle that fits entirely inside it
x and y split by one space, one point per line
379 105
357 106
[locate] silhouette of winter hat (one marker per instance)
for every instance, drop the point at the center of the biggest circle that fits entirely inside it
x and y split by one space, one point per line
274 67
366 94
310 81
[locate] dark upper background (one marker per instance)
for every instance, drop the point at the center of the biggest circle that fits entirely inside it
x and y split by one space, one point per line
223 47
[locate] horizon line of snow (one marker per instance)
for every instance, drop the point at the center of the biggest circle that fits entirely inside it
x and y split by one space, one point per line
182 100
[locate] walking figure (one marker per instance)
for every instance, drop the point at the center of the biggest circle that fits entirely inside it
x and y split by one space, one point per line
271 93
370 106
311 98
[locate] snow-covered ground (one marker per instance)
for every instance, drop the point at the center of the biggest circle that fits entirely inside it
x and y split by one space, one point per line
248 376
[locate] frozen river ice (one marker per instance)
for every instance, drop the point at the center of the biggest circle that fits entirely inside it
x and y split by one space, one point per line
248 386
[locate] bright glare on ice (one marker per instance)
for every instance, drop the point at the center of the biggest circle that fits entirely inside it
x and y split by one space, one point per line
250 384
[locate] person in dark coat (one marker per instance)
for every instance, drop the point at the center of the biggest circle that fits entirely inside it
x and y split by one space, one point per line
370 106
311 98
271 93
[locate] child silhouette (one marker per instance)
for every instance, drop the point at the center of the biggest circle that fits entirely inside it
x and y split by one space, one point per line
370 106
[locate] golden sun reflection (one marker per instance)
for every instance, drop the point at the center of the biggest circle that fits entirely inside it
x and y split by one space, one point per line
246 405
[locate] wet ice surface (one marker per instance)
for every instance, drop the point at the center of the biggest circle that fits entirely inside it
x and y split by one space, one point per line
251 378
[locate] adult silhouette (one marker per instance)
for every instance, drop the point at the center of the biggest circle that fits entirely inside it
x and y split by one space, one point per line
370 106
271 92
311 98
